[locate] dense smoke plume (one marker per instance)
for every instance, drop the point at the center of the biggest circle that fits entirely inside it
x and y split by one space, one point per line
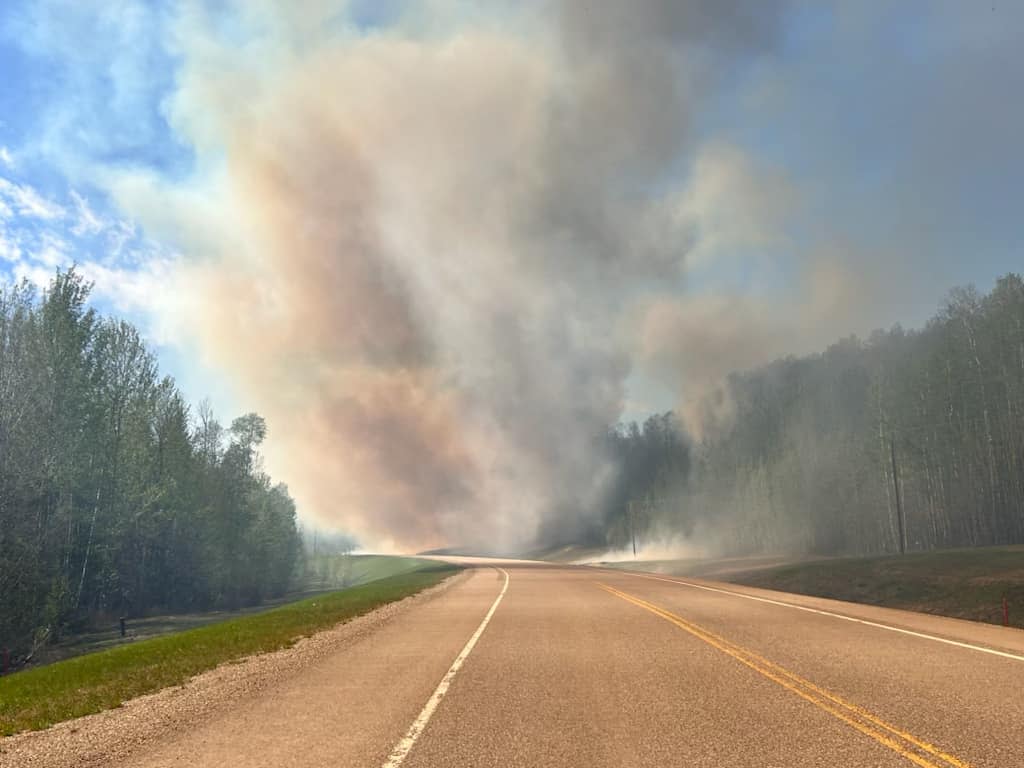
424 241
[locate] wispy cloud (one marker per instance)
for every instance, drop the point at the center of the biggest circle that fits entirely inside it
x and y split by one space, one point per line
9 250
148 288
53 252
119 234
132 274
38 276
87 222
26 201
102 70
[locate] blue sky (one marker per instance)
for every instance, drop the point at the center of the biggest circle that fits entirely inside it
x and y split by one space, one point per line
898 124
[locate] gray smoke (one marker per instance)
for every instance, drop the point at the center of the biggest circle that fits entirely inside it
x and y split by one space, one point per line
416 249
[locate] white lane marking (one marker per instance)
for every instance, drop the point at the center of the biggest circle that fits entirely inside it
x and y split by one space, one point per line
401 750
865 622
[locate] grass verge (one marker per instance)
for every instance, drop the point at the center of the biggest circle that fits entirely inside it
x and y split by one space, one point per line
37 698
334 571
962 583
351 570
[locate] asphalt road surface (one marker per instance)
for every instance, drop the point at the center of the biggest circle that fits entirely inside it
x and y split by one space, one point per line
529 665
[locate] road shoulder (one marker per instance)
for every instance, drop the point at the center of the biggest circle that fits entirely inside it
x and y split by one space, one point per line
113 735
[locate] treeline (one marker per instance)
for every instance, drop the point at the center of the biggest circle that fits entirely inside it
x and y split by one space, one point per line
654 462
114 498
805 461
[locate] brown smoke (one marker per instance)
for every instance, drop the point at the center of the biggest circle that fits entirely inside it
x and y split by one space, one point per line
425 241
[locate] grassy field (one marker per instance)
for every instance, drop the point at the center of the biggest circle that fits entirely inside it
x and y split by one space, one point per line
963 583
39 697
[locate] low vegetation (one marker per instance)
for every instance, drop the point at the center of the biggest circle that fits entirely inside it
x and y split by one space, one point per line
962 583
965 584
341 570
322 573
39 697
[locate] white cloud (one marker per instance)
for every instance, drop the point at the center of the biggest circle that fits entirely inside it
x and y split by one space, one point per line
150 291
39 236
26 201
87 221
52 252
9 249
6 158
114 67
119 235
38 276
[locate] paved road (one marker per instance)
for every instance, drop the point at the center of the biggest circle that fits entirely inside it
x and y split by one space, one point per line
527 665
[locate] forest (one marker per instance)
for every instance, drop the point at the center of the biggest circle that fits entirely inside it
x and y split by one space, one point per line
116 498
825 453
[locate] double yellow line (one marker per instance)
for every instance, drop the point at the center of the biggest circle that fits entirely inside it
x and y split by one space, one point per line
917 751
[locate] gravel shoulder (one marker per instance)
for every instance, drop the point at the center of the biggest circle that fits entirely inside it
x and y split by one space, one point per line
112 736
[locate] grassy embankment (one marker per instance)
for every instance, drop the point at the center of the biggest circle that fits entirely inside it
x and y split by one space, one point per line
37 698
342 572
962 583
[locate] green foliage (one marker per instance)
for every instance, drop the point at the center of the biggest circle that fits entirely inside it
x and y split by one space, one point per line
39 697
113 499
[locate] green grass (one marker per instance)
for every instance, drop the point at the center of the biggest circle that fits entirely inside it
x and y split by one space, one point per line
370 567
963 583
350 570
40 697
343 571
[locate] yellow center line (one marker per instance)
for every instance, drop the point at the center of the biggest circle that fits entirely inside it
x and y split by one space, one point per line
863 713
854 715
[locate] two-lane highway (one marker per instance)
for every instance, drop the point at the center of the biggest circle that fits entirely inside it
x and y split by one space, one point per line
532 665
